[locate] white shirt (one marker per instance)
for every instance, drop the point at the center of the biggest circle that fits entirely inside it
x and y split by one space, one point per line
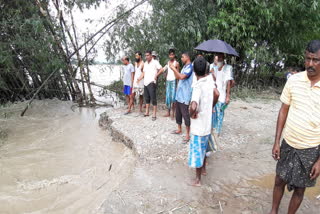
222 78
150 70
137 75
170 75
128 69
202 94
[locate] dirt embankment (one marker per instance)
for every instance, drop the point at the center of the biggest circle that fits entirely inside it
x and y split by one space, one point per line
240 175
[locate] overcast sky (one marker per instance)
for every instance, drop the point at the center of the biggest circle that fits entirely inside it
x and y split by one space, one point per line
91 20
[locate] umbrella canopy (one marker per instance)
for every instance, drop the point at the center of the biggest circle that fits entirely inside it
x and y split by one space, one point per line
217 46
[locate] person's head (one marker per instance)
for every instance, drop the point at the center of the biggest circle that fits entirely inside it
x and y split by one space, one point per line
312 58
172 54
199 54
148 55
138 56
215 60
154 54
186 58
220 59
125 60
200 66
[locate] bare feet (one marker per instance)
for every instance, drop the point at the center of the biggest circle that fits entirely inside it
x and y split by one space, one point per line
166 115
186 138
195 183
203 172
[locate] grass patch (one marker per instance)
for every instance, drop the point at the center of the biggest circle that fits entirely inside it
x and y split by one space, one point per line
248 94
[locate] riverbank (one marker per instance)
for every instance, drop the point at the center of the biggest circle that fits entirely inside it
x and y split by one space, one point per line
240 175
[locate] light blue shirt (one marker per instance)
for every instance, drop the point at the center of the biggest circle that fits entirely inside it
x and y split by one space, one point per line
184 89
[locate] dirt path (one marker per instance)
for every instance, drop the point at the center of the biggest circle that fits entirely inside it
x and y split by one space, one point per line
240 175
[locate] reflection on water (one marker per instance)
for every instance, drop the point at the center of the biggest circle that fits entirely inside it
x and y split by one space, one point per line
55 160
267 182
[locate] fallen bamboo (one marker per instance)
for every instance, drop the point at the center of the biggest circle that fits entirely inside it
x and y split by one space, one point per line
43 13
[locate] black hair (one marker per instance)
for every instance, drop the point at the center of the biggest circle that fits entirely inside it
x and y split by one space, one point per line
139 53
187 54
149 52
200 66
171 50
126 58
313 46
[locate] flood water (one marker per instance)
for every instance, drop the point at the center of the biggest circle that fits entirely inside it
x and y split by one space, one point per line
56 159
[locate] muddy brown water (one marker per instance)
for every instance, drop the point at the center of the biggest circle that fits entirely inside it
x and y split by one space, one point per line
267 182
55 160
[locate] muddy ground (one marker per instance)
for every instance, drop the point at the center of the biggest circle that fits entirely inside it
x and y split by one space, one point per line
240 175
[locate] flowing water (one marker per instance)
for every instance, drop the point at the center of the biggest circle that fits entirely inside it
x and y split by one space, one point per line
56 159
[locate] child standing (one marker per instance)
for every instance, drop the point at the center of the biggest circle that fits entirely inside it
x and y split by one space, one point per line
201 114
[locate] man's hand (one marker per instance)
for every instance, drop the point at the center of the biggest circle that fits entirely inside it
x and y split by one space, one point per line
276 151
195 115
227 100
315 171
171 66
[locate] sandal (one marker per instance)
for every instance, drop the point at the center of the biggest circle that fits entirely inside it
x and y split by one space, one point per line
176 133
185 141
154 118
146 115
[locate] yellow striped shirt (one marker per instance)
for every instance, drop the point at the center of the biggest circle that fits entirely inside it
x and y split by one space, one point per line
302 128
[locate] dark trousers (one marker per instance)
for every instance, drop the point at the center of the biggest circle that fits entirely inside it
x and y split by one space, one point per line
150 93
182 111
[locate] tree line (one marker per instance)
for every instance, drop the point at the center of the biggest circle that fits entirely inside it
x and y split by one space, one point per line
41 52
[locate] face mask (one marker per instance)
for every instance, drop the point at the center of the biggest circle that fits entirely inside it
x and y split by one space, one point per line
220 64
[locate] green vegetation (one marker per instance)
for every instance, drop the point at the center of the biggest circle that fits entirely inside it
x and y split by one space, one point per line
40 51
264 33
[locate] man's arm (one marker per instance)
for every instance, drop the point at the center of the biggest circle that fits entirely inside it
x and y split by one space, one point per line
142 73
132 75
214 76
216 95
160 71
178 75
178 66
228 92
193 110
315 171
282 118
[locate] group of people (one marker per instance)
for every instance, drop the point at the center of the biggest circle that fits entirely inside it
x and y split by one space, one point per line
200 93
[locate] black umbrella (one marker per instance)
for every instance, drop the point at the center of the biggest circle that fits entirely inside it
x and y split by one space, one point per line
217 46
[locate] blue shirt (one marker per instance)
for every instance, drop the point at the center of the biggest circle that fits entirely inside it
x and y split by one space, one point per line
184 89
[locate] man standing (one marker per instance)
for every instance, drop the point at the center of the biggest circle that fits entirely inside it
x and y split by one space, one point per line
299 154
223 77
150 73
171 83
138 87
202 103
128 81
183 95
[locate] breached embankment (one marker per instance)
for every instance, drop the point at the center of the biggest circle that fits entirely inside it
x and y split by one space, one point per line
240 175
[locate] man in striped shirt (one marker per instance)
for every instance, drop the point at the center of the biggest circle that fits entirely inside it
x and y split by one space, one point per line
299 118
